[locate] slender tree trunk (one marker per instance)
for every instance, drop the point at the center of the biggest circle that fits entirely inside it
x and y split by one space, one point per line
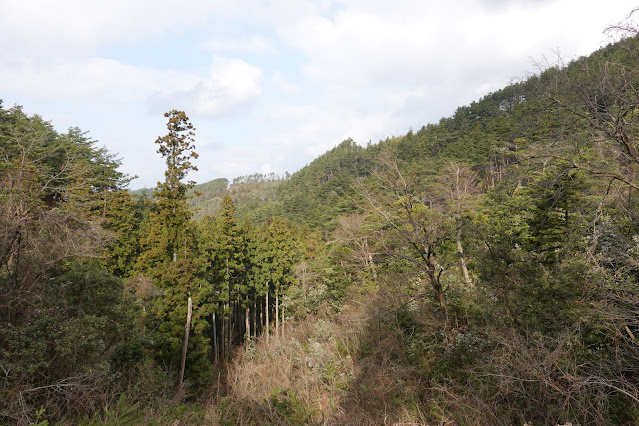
231 325
247 318
215 350
462 258
254 317
227 307
283 317
441 300
262 319
223 333
267 318
436 286
186 342
239 321
373 268
277 311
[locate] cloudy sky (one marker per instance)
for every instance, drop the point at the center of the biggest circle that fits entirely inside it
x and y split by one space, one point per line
271 84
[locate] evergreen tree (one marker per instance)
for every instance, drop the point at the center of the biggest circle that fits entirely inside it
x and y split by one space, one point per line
222 242
121 218
166 239
170 253
276 255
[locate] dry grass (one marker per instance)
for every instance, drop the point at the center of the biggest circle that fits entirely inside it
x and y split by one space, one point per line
314 361
334 368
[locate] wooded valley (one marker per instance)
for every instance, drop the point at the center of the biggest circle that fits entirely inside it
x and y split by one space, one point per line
479 270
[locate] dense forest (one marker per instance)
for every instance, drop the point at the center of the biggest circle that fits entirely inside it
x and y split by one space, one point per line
480 270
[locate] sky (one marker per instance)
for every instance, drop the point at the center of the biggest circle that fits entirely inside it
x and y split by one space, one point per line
272 84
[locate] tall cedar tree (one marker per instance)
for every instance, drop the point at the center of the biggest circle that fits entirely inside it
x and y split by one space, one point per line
223 244
169 251
273 264
166 239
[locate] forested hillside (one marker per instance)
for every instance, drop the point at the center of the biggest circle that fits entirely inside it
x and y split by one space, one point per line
480 270
249 193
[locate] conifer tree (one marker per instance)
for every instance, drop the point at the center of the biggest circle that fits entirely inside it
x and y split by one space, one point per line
275 257
165 240
121 218
169 250
247 283
224 248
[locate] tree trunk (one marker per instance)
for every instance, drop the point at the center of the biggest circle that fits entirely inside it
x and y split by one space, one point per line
186 342
232 321
247 319
254 318
441 300
462 258
223 333
436 286
277 311
267 318
262 319
227 306
215 350
373 269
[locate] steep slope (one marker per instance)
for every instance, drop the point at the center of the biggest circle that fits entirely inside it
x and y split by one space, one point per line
540 206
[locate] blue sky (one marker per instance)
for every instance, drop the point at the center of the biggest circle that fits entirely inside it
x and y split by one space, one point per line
270 85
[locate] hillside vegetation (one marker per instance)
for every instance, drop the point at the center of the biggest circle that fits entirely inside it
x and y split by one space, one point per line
480 270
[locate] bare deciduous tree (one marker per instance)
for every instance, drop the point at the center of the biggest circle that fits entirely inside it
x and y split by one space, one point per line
412 230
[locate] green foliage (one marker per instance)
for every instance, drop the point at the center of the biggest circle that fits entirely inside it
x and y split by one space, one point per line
224 244
282 407
254 197
276 255
123 218
167 234
59 313
83 315
322 191
286 408
39 421
170 255
122 414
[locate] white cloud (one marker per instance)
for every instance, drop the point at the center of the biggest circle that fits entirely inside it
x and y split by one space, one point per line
231 85
85 78
368 43
285 85
65 26
306 131
255 44
416 61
